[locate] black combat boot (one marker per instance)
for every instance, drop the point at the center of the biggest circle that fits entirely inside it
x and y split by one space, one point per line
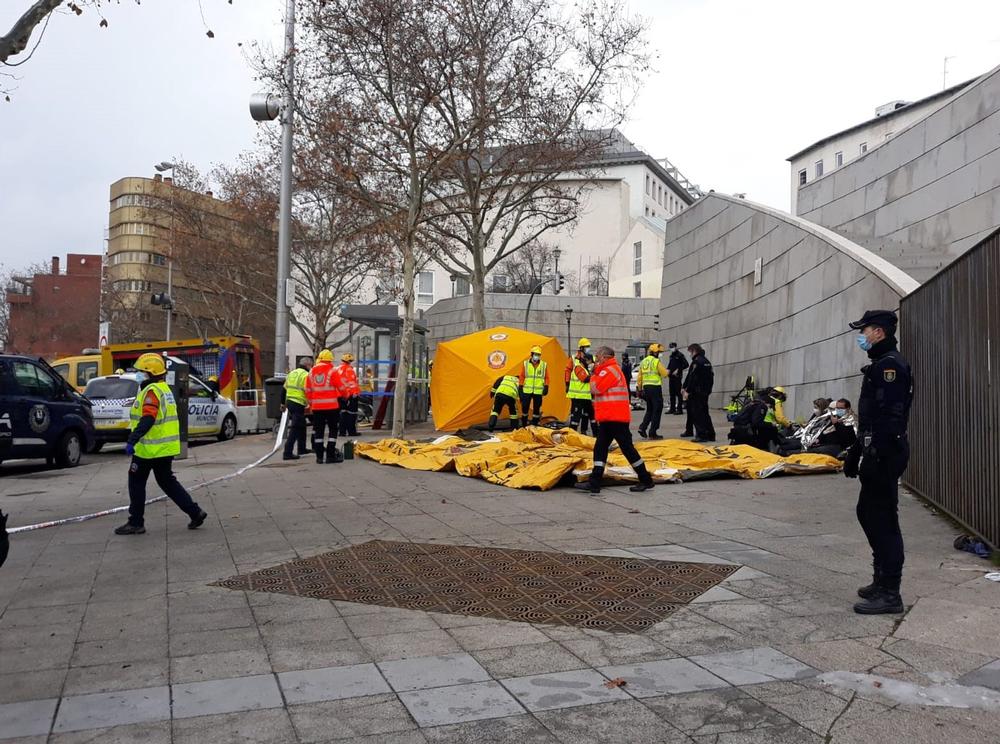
333 454
645 479
885 602
198 520
869 591
593 483
318 449
130 529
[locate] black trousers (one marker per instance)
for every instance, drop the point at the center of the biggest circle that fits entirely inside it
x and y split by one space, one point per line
581 412
653 395
324 421
616 431
501 401
296 427
676 401
349 416
533 400
761 438
699 416
163 472
878 511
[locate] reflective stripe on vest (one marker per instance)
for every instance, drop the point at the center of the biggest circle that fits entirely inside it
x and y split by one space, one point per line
164 438
577 390
295 386
613 403
650 368
507 386
323 388
534 378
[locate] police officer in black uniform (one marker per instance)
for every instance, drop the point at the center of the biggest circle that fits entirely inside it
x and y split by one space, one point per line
696 388
676 365
879 457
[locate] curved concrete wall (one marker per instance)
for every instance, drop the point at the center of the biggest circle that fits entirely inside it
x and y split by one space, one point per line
791 328
927 195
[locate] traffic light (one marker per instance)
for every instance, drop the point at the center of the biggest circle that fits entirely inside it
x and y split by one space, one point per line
560 283
162 299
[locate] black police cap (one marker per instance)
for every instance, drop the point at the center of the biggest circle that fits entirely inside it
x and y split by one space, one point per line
884 319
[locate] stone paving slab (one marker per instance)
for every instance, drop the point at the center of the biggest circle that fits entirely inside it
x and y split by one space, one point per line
104 627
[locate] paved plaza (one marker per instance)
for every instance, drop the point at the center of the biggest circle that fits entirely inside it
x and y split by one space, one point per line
124 639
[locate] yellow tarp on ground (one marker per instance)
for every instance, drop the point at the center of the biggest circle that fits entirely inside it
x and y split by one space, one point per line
537 457
466 367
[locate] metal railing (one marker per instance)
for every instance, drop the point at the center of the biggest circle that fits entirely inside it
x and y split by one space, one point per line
950 332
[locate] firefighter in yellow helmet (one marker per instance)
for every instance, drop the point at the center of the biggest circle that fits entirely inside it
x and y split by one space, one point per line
533 384
349 400
577 379
776 397
652 373
323 392
153 443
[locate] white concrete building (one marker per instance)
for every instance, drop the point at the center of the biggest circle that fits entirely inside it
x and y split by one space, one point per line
836 150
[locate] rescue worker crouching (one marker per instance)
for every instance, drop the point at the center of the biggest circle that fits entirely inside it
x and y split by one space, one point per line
154 441
751 425
323 391
776 397
613 414
650 382
295 402
577 379
533 383
349 403
504 393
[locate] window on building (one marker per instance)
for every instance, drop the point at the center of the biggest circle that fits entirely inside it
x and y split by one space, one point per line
425 288
637 289
838 159
462 286
819 168
647 211
864 147
647 184
803 177
501 283
637 258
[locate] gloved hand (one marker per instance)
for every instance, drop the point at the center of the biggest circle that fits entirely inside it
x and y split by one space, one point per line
545 390
851 461
129 449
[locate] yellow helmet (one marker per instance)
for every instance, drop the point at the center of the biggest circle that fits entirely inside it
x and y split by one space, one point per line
536 349
347 357
325 356
152 364
655 348
583 342
778 389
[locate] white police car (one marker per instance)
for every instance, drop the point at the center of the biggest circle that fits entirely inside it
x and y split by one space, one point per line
112 396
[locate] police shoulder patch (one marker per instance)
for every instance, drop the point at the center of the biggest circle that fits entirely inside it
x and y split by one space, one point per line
889 375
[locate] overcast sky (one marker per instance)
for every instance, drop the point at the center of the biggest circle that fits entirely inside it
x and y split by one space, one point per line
740 86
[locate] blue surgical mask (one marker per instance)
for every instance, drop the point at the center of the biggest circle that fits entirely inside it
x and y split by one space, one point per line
863 342
839 412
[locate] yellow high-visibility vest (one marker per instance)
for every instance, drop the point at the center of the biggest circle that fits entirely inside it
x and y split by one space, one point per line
507 386
534 378
295 386
578 390
650 369
164 439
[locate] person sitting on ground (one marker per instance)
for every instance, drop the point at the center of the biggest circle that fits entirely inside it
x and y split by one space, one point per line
751 426
828 434
821 406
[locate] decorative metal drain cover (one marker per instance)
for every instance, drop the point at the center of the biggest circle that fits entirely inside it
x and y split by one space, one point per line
621 595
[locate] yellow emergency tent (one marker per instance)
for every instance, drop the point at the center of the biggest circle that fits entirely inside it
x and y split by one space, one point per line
465 369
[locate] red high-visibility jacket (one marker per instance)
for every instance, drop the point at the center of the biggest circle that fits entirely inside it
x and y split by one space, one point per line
610 392
323 387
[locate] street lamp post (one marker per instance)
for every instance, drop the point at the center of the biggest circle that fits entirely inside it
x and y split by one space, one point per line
168 306
265 107
569 327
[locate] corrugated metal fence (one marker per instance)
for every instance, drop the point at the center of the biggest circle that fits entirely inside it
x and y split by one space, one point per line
950 332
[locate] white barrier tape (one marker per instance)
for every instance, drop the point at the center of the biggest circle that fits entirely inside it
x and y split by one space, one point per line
279 441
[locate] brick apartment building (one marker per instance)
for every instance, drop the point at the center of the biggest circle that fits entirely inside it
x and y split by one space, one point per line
56 314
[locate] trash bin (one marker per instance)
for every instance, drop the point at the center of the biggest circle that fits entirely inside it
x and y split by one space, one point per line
273 389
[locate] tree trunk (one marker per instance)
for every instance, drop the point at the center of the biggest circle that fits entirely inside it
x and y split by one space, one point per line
478 287
405 340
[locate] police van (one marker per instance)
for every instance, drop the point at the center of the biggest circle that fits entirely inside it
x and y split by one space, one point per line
112 396
41 415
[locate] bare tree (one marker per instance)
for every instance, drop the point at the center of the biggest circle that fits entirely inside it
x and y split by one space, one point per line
530 265
534 99
370 72
598 278
16 40
122 311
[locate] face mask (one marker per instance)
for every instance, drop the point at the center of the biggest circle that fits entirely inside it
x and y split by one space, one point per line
586 349
839 412
863 343
535 358
141 377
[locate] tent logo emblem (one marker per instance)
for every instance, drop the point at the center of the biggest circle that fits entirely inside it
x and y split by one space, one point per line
498 337
497 359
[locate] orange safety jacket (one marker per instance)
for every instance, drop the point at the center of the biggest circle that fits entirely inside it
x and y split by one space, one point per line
323 387
349 379
610 392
